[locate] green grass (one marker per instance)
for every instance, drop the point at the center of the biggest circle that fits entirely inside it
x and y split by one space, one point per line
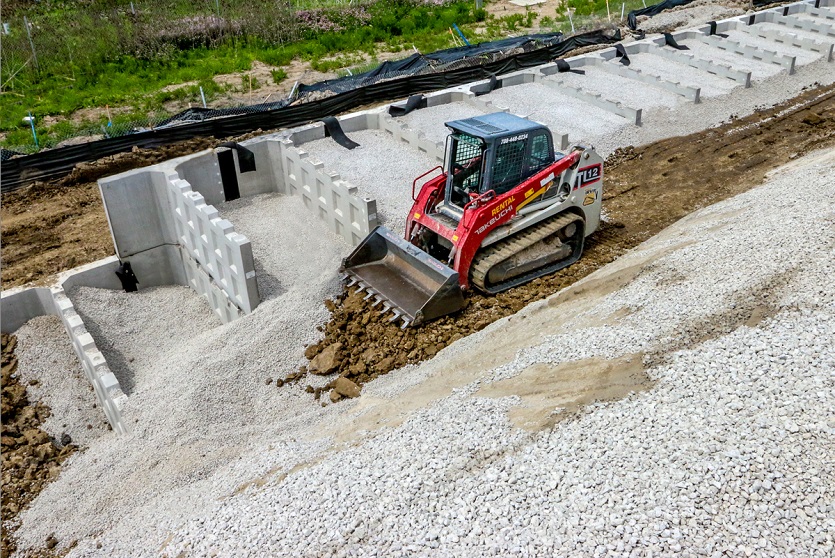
93 66
96 80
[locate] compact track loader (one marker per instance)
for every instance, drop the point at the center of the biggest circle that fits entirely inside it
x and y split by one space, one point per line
504 210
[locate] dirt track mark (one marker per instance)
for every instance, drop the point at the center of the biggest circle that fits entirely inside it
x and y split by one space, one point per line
568 385
648 189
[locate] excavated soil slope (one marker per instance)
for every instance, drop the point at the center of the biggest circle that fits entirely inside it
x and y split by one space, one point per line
646 190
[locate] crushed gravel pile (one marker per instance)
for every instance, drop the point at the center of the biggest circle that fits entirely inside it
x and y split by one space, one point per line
53 376
696 13
126 327
204 411
279 228
725 452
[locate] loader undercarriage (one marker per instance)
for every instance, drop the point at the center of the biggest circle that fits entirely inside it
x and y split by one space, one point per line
541 249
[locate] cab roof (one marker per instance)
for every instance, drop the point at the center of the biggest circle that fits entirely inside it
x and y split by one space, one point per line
495 125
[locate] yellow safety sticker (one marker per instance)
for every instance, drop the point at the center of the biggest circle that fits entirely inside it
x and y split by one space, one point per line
454 237
417 215
591 197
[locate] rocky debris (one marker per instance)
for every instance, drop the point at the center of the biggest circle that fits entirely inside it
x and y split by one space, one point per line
346 388
327 361
30 458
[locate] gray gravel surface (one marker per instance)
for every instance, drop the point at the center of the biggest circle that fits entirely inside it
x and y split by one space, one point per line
802 55
634 94
52 374
725 454
582 122
431 120
697 13
812 35
379 168
711 85
758 69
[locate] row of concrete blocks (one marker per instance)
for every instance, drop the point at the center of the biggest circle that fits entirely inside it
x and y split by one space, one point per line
324 192
171 234
18 306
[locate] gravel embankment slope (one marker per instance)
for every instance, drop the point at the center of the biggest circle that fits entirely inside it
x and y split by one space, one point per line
729 450
722 324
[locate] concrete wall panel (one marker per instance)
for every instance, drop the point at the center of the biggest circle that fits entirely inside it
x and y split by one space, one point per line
222 253
202 171
21 305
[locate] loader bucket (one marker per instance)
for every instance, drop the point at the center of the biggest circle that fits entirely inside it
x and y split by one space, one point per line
406 280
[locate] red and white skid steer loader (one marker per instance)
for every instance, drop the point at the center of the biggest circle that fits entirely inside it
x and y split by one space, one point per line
504 210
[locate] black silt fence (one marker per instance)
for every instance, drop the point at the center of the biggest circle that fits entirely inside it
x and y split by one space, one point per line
55 163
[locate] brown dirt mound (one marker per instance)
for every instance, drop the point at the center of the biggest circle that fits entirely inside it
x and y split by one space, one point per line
30 458
647 189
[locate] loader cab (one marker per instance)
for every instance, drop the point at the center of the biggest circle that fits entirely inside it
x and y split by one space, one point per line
492 152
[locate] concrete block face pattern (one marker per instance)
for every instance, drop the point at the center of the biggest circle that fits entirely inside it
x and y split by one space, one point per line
639 75
780 38
822 27
203 284
688 59
21 305
325 194
631 114
225 255
399 132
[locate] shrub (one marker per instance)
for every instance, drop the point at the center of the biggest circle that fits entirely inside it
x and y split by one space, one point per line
279 75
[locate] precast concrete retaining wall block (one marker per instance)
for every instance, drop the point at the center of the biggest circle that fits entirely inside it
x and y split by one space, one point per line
788 39
635 74
792 22
747 51
18 306
416 139
333 200
594 99
688 59
108 391
224 255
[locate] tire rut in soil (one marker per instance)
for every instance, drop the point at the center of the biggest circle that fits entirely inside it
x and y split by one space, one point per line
646 189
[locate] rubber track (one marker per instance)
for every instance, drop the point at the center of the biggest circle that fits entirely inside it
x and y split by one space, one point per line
504 249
